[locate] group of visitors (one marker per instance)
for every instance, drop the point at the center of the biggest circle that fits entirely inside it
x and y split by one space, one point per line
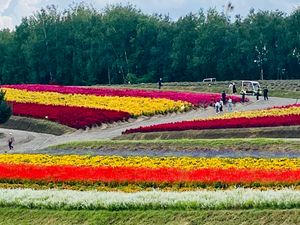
219 105
265 93
232 88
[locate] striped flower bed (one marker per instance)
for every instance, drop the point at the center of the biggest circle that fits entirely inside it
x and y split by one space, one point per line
81 107
98 105
92 200
197 99
139 170
285 116
136 106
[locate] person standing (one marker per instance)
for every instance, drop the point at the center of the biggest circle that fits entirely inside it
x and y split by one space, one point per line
11 141
217 107
229 105
243 95
266 91
221 105
159 83
224 97
233 88
257 94
230 87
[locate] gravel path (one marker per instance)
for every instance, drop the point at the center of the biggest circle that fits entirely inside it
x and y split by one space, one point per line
31 142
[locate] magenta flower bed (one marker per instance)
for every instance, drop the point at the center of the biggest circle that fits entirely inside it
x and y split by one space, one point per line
197 99
76 117
267 121
286 106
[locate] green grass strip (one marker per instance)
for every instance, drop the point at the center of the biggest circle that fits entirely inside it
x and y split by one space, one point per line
12 216
186 144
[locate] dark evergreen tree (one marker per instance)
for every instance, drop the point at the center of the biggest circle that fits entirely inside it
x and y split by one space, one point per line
5 109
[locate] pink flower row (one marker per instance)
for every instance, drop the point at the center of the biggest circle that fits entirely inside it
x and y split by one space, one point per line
197 99
267 121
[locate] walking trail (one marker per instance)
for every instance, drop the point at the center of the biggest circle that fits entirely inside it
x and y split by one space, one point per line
32 142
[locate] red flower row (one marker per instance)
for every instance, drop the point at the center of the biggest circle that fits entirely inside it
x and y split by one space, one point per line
197 99
77 117
267 121
285 106
136 175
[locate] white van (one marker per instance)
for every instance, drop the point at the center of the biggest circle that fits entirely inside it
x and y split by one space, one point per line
209 80
251 87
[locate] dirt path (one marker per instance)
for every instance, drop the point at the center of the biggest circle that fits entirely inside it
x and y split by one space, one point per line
30 141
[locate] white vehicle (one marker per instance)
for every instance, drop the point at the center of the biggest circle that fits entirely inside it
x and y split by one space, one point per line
209 80
251 87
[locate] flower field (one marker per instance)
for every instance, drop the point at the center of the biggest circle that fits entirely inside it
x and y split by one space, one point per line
182 179
98 105
282 116
144 182
275 111
72 116
197 99
134 105
141 170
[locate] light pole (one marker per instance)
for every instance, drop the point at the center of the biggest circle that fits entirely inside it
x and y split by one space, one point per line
283 72
261 58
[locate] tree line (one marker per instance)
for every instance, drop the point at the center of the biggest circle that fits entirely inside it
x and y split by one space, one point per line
120 44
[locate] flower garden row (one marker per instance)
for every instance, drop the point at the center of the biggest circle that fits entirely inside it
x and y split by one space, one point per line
142 170
275 111
136 106
72 116
197 99
279 116
92 200
80 107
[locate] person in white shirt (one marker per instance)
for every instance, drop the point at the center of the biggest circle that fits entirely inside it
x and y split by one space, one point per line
217 107
221 105
229 105
230 87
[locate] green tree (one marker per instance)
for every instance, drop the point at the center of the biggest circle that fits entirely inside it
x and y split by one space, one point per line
185 35
5 109
83 46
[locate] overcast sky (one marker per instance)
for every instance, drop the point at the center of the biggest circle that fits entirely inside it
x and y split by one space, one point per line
11 11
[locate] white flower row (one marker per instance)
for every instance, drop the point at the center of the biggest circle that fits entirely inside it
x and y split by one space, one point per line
228 199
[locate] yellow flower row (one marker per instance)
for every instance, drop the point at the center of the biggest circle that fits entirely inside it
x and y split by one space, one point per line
258 113
185 163
134 105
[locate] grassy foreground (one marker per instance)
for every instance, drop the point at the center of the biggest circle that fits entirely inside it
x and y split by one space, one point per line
29 216
186 144
36 125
